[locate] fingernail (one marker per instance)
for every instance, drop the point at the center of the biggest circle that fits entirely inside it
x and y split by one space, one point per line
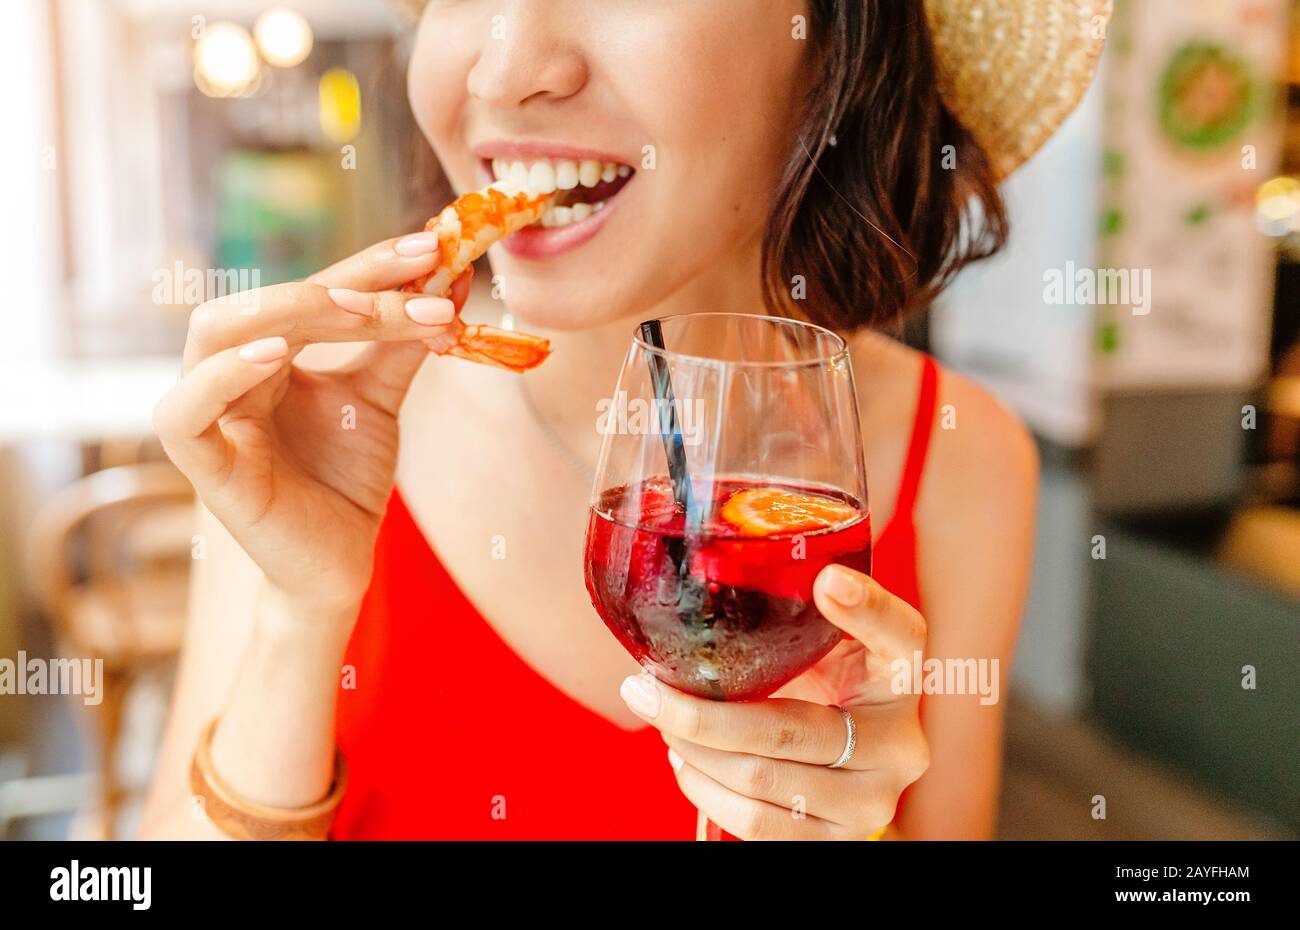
264 350
353 301
842 586
675 760
417 244
430 310
640 695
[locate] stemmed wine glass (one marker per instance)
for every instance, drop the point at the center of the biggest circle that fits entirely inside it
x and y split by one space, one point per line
730 474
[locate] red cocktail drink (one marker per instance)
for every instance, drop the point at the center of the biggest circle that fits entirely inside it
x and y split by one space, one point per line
734 478
721 606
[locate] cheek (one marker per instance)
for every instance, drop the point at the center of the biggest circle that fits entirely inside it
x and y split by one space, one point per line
436 83
723 134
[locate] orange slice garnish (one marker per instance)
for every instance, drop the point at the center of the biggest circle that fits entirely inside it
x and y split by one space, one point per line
769 511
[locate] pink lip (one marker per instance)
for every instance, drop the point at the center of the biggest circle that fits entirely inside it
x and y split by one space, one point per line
521 149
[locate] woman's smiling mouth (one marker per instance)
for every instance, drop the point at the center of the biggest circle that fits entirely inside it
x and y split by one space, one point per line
586 191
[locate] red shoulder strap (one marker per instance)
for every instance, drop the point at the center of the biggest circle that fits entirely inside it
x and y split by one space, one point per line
920 444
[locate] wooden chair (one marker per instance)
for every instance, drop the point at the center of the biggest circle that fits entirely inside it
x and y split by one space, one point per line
110 561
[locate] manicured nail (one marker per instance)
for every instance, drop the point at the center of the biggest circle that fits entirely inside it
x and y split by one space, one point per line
842 586
430 310
675 760
264 350
417 244
640 695
353 301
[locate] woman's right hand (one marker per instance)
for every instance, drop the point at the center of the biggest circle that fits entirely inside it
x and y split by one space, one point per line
298 465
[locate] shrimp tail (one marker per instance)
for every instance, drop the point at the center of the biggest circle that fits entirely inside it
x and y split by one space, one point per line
488 345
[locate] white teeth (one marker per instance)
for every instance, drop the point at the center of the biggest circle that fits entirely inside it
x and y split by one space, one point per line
541 178
546 176
589 173
567 216
566 175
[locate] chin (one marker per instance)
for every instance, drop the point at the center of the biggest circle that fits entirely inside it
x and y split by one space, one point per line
561 309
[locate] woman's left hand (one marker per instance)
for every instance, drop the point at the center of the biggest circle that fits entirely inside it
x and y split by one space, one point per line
760 770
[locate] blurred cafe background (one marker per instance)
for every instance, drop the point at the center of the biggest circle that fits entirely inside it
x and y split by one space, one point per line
151 141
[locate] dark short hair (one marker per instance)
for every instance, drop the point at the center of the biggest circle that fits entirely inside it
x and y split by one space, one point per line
879 221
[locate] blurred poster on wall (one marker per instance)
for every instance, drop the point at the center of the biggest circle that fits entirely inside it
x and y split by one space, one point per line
275 212
1192 130
995 324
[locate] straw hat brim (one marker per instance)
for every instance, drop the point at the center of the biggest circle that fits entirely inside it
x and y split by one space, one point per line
1013 70
1010 70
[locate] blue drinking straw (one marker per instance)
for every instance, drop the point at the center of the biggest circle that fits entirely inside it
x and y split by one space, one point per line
671 431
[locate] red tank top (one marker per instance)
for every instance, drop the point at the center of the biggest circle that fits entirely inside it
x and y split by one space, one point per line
450 735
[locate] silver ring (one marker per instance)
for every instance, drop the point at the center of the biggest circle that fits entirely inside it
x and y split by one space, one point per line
850 744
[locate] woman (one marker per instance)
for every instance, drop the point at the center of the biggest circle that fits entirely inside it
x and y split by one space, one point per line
482 696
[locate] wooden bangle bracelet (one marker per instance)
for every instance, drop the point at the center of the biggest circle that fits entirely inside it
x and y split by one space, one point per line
246 820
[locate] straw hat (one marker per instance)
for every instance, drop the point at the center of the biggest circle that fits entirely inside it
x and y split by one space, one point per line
1011 70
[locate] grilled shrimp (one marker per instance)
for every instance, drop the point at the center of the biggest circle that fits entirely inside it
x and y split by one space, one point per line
466 228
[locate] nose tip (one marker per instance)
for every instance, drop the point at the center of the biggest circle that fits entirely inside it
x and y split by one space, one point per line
523 63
